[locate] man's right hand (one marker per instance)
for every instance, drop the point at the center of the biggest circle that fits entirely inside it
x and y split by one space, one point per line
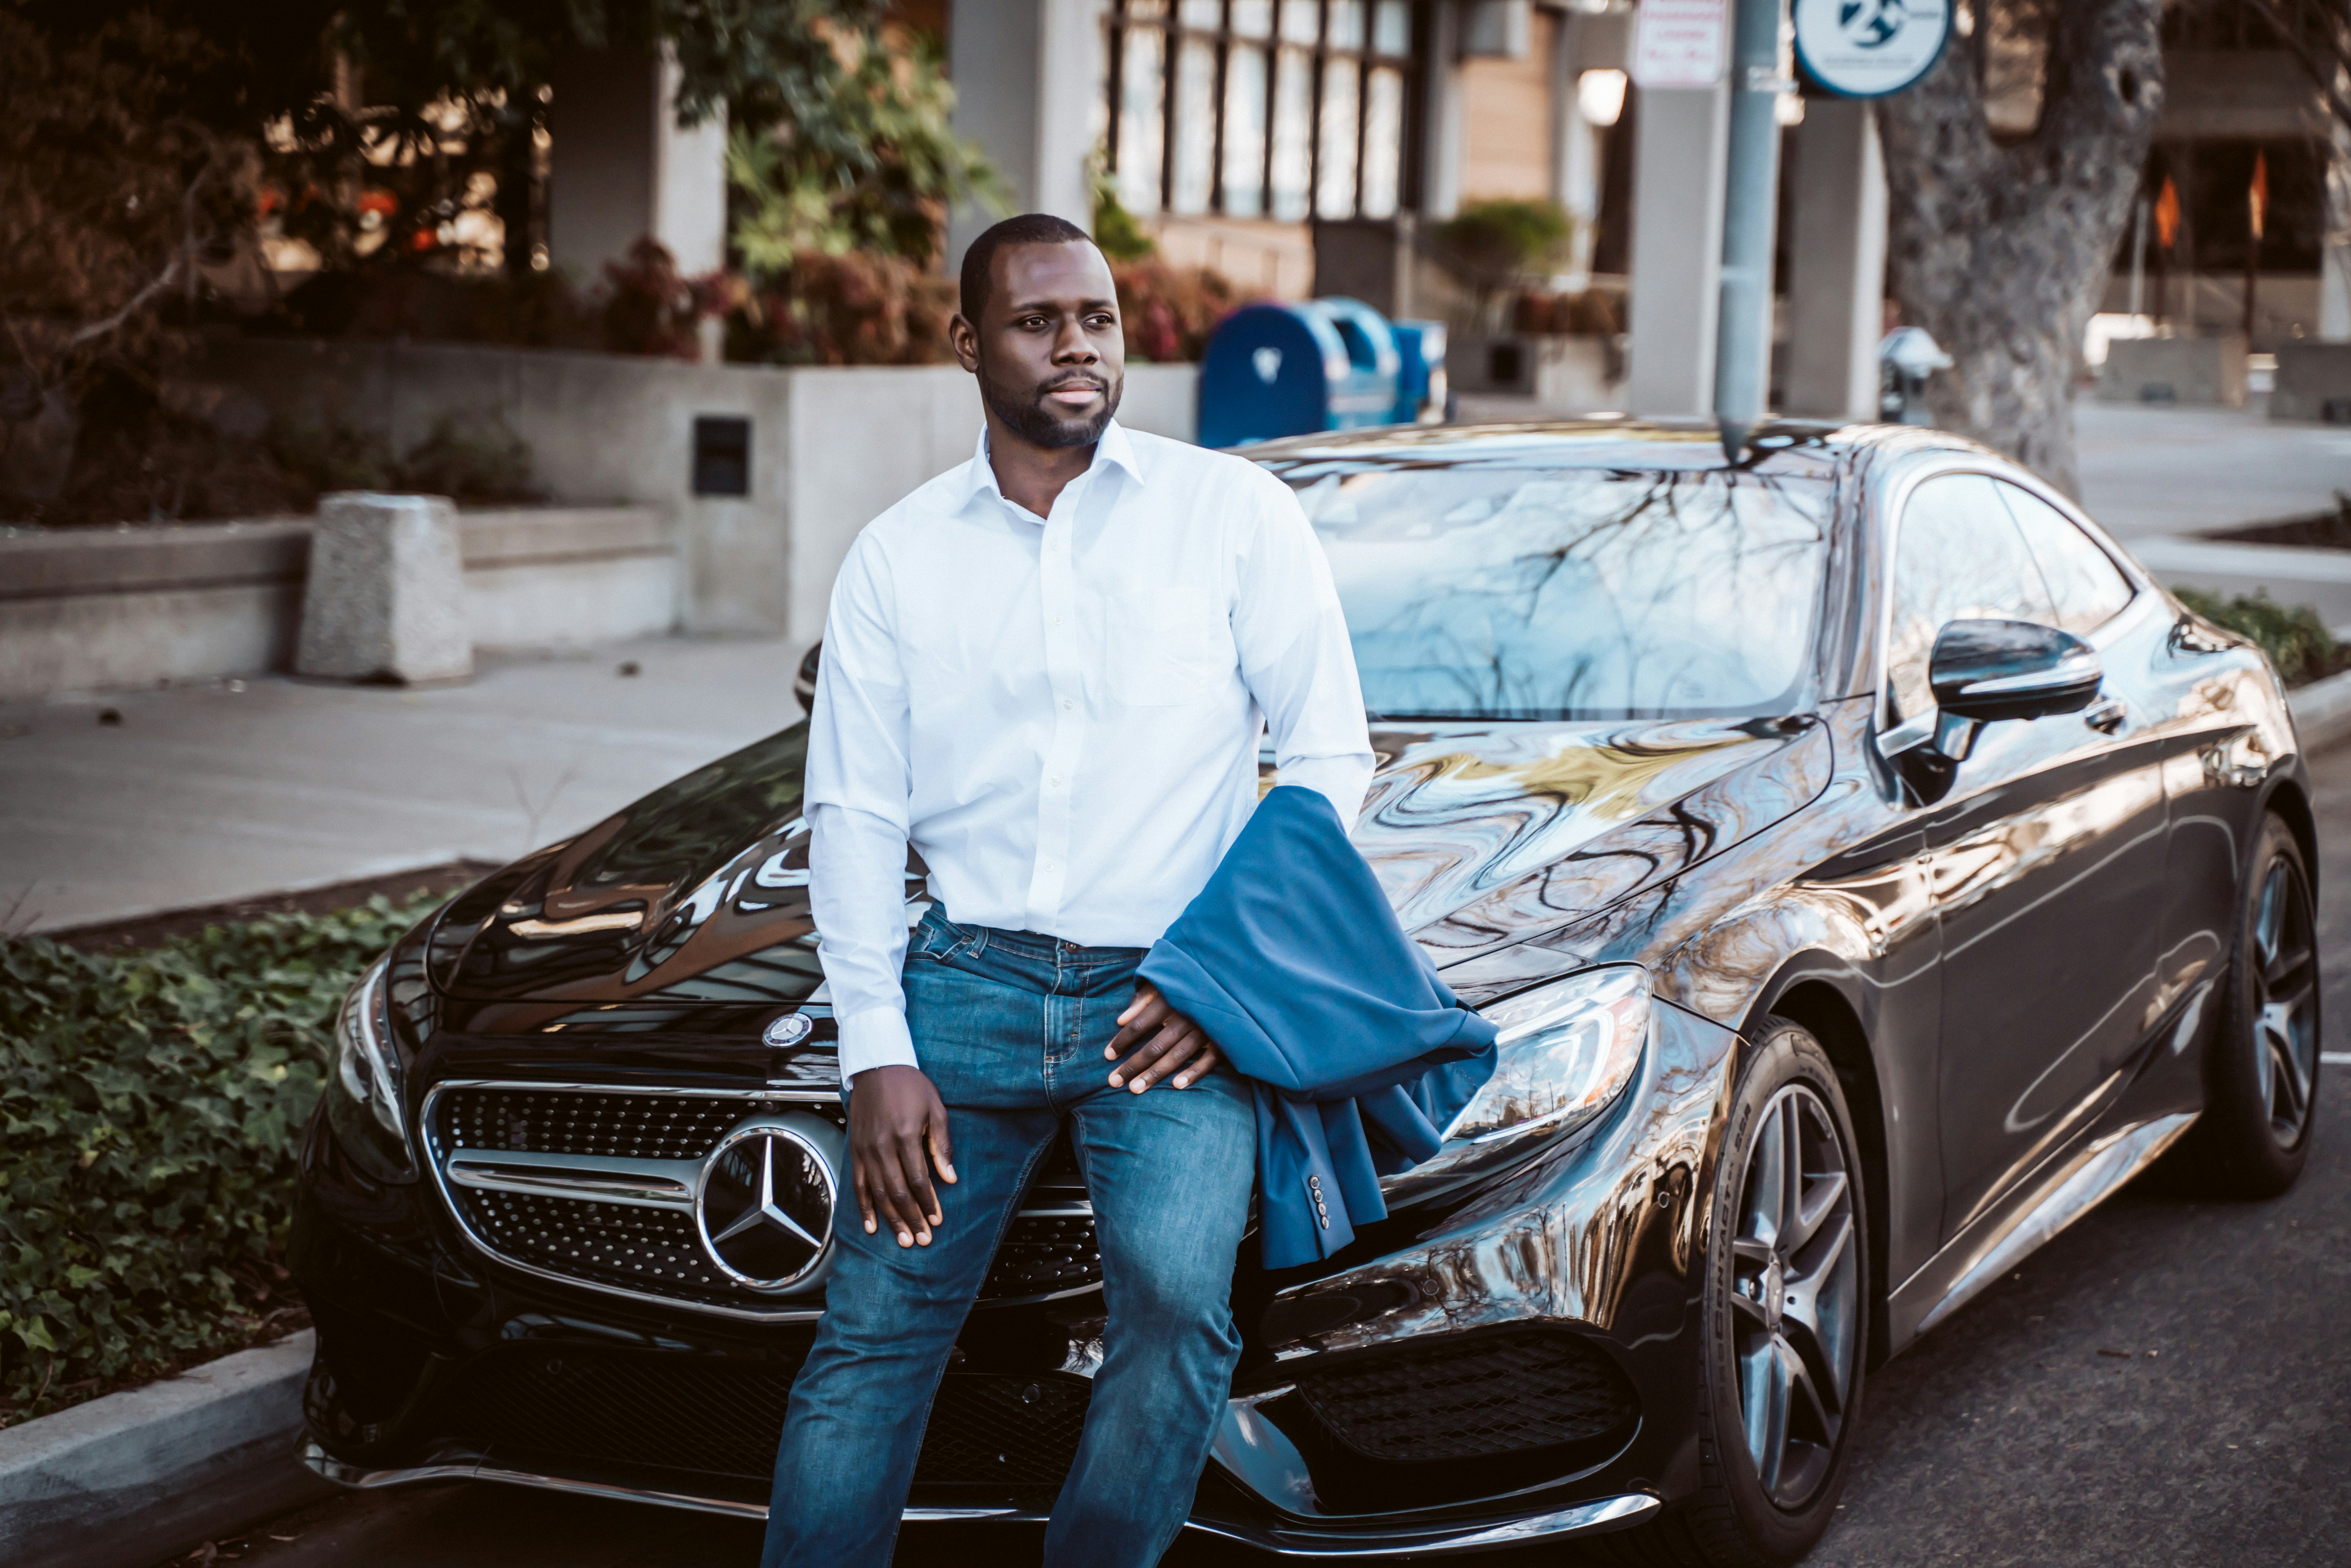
896 1120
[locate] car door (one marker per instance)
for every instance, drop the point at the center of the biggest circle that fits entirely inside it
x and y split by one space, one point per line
2045 857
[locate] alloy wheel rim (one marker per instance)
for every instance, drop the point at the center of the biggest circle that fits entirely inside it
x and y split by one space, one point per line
1795 1295
2285 996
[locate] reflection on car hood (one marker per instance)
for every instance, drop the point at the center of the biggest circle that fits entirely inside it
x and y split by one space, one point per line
1482 834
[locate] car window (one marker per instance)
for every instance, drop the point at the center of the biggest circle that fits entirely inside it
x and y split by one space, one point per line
2085 586
1501 592
1957 556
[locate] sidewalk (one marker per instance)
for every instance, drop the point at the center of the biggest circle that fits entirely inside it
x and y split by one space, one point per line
199 795
2183 470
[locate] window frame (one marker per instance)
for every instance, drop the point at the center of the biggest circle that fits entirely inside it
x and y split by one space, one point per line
1885 530
1366 59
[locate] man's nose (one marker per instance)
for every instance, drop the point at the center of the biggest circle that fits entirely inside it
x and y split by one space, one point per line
1072 347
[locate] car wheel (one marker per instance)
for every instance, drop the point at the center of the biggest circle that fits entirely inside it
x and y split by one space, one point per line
1785 1321
2261 1068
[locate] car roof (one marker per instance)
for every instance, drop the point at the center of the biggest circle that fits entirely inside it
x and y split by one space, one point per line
1778 447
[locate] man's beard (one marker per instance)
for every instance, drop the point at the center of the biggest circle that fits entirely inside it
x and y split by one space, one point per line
1034 423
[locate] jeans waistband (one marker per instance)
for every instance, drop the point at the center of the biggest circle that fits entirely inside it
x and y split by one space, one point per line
1034 944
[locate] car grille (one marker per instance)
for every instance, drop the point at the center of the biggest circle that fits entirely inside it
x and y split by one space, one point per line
565 1122
991 1429
1471 1396
1049 1249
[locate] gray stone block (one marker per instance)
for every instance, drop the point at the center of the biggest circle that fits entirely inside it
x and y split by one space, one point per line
386 597
2173 371
2313 381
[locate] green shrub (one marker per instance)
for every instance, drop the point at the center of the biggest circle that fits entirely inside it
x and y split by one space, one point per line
473 459
150 1108
2294 638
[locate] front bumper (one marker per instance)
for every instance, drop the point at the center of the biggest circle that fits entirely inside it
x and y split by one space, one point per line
1430 1538
1592 1246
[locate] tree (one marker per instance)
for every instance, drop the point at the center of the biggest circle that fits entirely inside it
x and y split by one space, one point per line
2000 246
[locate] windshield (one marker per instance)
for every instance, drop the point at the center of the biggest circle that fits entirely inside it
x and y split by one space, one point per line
1481 592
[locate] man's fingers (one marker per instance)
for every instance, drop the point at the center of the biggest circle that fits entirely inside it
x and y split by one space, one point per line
1144 994
1175 1044
864 1198
942 1146
873 1185
1199 1067
916 1167
1141 1020
1157 1046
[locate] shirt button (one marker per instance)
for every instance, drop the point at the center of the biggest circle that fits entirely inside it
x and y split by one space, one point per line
1066 705
1056 783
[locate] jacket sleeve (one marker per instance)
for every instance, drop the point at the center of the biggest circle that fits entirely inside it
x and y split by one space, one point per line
859 785
1295 656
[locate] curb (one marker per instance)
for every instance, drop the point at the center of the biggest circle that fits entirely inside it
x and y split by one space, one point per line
125 1480
2322 712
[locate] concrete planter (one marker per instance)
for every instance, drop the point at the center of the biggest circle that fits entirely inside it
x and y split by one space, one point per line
2175 370
2322 712
2291 574
100 610
2313 381
1562 374
812 453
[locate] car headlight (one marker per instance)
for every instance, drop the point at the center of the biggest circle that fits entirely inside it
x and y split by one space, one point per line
363 1092
1565 1052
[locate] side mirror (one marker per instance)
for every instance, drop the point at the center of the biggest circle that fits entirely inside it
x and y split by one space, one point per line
1988 670
1982 671
804 684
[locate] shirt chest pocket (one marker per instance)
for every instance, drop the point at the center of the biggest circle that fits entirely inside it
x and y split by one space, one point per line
1166 649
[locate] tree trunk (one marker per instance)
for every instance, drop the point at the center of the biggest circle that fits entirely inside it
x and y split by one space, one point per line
2001 251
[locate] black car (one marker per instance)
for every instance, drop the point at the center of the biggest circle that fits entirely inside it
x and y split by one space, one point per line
1870 866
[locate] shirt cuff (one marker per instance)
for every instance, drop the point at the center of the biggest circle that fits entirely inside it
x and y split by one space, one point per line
878 1037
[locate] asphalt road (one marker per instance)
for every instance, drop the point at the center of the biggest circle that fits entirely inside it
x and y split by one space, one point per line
2167 1383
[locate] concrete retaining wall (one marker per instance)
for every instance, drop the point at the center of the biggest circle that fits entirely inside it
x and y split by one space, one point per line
124 1480
100 610
830 447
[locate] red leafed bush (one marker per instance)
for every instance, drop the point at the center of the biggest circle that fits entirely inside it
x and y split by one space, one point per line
1171 310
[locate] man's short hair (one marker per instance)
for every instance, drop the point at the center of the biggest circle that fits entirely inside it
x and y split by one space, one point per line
1028 228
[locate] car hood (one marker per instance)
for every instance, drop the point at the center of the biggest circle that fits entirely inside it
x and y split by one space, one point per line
1483 835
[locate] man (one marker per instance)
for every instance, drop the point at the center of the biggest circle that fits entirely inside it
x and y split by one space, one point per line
1046 670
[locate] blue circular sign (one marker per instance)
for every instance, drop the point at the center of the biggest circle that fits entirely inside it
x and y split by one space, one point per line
1868 49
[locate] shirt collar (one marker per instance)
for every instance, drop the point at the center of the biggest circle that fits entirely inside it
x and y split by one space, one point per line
1114 447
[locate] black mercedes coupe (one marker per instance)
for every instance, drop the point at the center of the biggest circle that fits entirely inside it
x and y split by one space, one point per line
1871 870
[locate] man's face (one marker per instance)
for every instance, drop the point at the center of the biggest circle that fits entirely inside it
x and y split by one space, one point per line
1048 349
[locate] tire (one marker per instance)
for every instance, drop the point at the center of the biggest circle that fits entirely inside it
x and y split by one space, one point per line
2261 1066
1748 1512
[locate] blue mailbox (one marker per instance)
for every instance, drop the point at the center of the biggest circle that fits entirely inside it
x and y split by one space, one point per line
1420 383
1292 370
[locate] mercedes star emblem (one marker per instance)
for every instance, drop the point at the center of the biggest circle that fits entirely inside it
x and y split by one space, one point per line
790 1030
765 1209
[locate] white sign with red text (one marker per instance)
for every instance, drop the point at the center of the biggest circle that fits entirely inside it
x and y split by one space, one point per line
1680 43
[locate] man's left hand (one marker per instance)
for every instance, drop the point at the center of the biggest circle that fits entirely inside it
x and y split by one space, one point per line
1169 1041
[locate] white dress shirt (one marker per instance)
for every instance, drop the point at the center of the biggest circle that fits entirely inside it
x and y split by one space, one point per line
1062 714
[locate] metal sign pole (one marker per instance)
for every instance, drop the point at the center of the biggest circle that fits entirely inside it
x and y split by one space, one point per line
1750 213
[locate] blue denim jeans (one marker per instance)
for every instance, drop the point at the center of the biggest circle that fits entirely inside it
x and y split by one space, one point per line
1010 1026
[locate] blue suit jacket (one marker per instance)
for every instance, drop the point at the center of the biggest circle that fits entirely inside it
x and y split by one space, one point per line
1293 962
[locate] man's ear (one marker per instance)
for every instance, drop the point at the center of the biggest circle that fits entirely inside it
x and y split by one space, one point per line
964 339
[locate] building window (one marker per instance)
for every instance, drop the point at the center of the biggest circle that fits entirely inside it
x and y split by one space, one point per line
1283 108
